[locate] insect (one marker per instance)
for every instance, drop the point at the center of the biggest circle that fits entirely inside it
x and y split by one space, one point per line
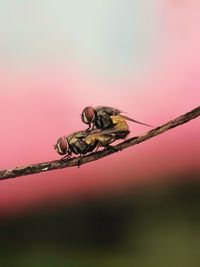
83 142
101 117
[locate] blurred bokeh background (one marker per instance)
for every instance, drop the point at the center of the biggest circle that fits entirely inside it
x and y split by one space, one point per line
138 207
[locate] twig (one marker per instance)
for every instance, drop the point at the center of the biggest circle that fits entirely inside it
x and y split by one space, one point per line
60 164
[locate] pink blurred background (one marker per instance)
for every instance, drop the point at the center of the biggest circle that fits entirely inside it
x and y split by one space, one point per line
141 57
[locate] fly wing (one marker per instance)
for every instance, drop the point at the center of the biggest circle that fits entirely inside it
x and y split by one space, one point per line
108 110
129 119
114 111
115 132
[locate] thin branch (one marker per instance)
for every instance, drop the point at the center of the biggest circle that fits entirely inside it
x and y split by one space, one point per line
60 164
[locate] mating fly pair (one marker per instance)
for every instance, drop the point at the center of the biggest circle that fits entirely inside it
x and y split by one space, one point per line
106 125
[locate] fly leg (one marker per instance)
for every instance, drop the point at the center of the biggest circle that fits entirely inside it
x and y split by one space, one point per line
109 147
88 148
90 128
79 160
112 147
98 146
83 153
66 157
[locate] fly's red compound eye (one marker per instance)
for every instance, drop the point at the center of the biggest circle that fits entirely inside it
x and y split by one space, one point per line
62 146
89 114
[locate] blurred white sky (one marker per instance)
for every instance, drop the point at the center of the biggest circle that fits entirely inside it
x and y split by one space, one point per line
111 36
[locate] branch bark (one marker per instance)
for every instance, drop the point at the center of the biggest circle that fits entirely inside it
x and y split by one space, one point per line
60 164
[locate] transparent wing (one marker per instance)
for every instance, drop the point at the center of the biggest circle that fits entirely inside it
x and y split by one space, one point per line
115 111
113 131
130 119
